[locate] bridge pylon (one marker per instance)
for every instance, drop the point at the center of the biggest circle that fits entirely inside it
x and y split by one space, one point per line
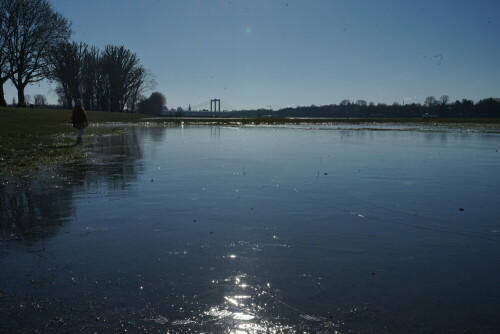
216 105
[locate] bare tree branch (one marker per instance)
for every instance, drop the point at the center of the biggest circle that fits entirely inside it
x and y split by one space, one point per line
65 66
33 29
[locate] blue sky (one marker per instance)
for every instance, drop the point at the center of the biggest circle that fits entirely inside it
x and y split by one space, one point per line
283 53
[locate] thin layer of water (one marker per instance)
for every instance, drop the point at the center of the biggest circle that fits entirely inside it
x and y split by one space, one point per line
256 230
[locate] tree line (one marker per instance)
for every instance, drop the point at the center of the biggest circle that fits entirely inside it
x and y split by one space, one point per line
35 45
431 108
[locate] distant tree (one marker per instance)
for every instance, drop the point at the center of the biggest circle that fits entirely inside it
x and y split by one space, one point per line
361 103
28 100
371 104
121 70
90 79
40 100
65 66
396 104
487 108
444 100
158 101
153 105
102 85
143 80
430 101
61 99
34 28
345 107
467 102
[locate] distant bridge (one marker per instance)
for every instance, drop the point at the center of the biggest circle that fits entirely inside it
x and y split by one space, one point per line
213 105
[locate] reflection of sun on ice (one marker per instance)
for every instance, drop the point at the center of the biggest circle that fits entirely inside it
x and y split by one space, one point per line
235 300
232 301
247 307
237 306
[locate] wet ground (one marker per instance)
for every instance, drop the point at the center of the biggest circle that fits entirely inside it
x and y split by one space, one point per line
277 229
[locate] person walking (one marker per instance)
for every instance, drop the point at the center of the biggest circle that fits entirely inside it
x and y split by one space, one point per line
79 119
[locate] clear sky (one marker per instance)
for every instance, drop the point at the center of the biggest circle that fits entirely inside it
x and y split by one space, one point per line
279 53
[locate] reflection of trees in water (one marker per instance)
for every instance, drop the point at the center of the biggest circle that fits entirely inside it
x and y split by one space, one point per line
113 164
156 133
33 208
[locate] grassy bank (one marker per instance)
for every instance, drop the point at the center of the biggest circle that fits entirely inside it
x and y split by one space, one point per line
34 137
39 137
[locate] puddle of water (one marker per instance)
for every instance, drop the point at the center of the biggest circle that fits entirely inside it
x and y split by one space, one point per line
256 230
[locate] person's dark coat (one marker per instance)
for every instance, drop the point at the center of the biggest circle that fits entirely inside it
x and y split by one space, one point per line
79 118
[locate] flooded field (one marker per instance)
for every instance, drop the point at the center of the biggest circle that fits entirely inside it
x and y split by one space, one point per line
278 229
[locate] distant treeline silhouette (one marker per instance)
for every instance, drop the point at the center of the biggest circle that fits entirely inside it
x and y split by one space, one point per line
432 108
35 45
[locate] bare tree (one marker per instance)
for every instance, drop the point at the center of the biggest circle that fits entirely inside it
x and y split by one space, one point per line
34 28
65 66
102 86
28 100
143 81
120 68
61 100
90 78
444 100
361 103
124 78
430 101
4 33
345 104
40 100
